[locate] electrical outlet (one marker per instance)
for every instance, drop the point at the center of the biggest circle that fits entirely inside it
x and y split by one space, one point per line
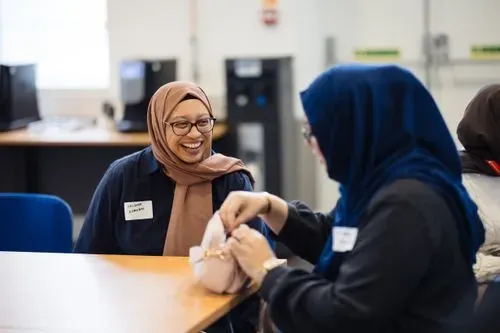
441 48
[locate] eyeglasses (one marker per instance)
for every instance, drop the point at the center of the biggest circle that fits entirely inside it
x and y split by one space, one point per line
306 132
183 127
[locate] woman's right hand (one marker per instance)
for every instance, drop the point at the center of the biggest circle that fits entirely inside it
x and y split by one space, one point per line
241 207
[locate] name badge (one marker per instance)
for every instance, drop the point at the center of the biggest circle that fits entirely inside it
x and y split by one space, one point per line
344 238
138 210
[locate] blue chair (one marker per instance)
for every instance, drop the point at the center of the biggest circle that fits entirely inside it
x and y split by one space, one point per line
35 223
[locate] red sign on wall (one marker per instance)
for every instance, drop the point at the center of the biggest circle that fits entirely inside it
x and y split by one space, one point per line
269 12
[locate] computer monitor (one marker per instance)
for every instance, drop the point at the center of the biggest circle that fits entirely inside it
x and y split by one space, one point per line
139 80
18 96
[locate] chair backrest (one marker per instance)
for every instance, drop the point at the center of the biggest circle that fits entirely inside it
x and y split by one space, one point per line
35 223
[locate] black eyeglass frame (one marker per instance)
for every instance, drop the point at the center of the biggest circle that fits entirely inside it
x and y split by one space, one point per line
306 132
191 124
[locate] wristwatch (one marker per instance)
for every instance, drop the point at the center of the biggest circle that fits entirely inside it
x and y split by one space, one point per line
268 265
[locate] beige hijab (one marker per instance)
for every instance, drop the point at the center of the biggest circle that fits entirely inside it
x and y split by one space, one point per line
192 205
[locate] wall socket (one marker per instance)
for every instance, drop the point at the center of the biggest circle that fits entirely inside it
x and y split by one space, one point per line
440 49
436 49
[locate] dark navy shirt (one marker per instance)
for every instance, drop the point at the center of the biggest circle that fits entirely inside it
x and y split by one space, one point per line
138 177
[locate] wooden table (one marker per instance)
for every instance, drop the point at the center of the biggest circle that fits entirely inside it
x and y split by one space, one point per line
87 137
70 165
75 293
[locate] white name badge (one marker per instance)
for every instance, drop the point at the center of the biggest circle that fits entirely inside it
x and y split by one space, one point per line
344 238
138 210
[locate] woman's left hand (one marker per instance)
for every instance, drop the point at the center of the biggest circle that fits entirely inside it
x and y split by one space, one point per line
252 250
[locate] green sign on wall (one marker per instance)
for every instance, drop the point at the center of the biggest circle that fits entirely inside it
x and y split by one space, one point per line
491 51
377 54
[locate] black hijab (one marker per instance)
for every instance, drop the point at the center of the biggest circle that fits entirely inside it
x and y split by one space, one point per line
479 133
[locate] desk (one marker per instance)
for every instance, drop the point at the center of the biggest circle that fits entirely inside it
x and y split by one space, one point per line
89 137
71 165
56 293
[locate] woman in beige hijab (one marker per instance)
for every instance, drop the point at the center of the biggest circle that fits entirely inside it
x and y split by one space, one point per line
158 201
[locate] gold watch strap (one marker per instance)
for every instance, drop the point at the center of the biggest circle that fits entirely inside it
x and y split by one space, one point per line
267 266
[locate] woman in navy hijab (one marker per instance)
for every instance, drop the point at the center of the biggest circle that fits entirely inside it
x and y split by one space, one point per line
396 253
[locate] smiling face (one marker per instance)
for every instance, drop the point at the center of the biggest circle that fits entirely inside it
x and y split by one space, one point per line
195 145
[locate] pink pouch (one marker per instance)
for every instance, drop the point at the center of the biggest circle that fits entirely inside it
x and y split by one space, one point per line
213 265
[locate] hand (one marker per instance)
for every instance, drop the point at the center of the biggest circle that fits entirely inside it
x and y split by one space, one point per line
251 250
240 207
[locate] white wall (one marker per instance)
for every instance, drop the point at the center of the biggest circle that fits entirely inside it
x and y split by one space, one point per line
471 22
159 29
225 29
368 23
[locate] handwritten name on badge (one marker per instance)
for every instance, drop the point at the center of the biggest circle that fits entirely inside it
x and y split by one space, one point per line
344 238
138 210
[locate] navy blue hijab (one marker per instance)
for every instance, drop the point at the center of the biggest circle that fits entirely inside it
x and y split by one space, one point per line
378 124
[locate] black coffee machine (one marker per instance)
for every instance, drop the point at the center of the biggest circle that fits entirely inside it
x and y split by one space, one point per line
18 97
139 80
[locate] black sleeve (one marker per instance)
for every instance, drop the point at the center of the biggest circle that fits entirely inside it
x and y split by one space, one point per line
97 235
392 252
305 232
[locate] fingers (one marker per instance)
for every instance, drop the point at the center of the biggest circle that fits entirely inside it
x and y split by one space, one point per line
236 248
235 211
240 232
242 237
247 239
246 235
239 208
244 217
237 242
228 211
250 249
229 220
233 245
